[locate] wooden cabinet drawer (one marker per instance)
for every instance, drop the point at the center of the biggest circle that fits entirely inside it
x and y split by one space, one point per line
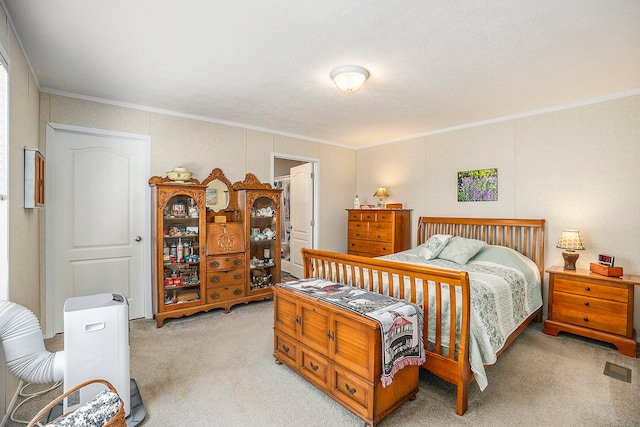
358 230
589 288
352 391
225 262
380 232
228 277
590 306
225 237
315 368
613 325
285 349
223 293
370 248
355 216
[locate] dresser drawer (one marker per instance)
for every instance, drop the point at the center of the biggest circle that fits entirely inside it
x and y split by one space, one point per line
224 293
370 248
380 232
352 391
358 230
589 288
228 277
355 216
315 368
225 262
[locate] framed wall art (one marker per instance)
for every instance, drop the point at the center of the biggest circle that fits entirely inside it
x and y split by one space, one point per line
478 185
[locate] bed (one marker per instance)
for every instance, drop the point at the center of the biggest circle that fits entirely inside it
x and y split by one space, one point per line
456 296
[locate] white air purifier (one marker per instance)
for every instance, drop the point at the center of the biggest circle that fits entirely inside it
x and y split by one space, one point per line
96 346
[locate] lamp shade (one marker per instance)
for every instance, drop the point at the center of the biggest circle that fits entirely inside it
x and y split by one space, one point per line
381 192
349 77
570 240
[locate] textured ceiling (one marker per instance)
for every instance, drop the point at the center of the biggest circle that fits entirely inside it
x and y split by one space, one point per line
434 64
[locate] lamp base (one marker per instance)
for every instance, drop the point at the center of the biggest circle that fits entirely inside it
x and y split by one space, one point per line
380 204
570 258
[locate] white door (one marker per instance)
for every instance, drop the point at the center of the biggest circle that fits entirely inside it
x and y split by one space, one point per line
96 213
301 192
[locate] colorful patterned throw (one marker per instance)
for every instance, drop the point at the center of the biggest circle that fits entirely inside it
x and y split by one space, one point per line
401 323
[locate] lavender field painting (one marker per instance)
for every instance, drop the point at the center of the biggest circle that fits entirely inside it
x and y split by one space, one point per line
478 185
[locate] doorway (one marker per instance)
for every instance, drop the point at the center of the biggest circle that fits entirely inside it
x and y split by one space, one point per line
298 178
97 219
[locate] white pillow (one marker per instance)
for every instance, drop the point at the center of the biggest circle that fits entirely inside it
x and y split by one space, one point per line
461 250
434 245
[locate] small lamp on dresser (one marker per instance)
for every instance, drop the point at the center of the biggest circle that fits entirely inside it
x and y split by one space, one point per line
570 241
381 192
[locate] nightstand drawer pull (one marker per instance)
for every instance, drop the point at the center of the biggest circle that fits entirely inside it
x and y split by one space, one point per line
586 319
587 288
586 303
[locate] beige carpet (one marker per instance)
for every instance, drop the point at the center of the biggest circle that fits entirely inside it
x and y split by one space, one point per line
216 369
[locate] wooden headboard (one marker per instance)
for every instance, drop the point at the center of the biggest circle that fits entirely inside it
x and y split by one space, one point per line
523 235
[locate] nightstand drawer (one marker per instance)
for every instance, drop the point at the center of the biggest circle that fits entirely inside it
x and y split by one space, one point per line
614 325
589 288
590 306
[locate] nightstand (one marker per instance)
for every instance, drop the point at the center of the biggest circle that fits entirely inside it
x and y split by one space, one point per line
593 306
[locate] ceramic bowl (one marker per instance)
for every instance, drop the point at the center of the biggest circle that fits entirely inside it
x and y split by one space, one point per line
179 176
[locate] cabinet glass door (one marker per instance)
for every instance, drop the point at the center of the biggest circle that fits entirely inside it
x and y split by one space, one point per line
181 251
264 245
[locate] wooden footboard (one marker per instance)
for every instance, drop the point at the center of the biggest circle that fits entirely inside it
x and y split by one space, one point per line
523 235
372 274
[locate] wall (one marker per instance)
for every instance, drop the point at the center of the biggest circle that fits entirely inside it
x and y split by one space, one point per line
24 224
576 168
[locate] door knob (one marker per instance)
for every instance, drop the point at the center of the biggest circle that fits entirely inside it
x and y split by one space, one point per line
137 238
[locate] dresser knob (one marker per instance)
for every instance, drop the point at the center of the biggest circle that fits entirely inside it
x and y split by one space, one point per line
587 288
586 319
586 303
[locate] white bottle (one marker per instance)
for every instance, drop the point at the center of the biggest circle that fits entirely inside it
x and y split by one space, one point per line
180 250
356 203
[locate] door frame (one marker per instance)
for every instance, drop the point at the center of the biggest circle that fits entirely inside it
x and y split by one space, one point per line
316 187
50 171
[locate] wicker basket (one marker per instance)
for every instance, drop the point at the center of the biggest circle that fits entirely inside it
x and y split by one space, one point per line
118 419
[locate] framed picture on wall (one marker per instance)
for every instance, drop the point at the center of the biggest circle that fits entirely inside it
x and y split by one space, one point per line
478 185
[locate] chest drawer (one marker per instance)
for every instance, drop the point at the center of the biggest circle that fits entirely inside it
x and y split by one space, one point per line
352 391
286 349
315 368
224 293
218 263
589 288
370 248
228 277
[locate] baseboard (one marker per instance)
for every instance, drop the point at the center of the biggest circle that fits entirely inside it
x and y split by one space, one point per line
12 404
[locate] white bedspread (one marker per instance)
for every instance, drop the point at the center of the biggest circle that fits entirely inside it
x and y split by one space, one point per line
505 290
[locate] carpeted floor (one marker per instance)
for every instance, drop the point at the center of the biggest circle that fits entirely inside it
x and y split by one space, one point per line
218 369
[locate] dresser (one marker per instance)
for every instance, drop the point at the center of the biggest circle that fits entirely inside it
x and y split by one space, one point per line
340 353
377 232
593 306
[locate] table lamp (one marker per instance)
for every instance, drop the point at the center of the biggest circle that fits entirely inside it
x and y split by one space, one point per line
570 241
381 192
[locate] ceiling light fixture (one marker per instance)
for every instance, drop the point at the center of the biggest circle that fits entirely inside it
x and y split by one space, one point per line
349 78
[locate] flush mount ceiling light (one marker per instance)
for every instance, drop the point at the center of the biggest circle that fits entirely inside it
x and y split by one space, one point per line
349 77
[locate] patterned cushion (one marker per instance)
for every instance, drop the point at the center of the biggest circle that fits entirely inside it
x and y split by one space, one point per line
95 413
434 245
461 250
